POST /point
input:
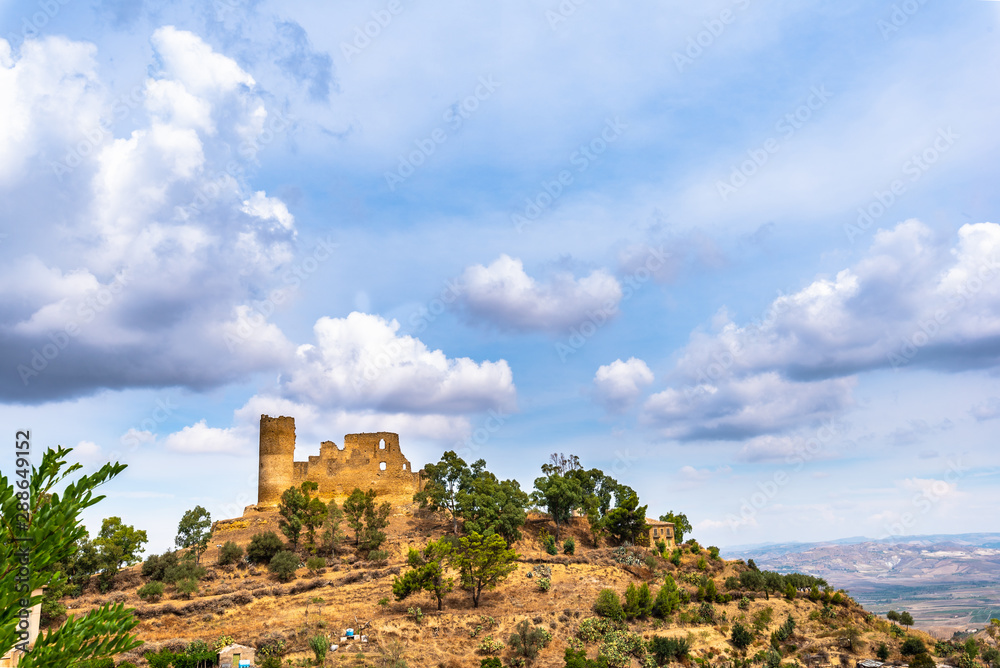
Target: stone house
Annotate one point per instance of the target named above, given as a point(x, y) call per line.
point(235, 655)
point(660, 531)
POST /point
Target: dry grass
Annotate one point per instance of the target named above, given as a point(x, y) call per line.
point(250, 606)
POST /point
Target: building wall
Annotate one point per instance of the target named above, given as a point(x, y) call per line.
point(367, 461)
point(226, 655)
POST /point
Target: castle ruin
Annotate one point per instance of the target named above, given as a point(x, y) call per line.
point(367, 461)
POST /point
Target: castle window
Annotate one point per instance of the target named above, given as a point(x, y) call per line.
point(381, 466)
point(381, 444)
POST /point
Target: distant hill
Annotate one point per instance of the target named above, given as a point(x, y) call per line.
point(948, 582)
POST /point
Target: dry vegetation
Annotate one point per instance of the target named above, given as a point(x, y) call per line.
point(248, 604)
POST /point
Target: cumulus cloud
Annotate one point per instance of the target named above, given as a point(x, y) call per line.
point(362, 362)
point(619, 384)
point(150, 277)
point(503, 295)
point(910, 301)
point(202, 439)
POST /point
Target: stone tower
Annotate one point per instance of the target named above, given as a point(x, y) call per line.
point(277, 452)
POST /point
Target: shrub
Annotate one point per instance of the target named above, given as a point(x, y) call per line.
point(912, 646)
point(106, 662)
point(549, 541)
point(741, 636)
point(744, 603)
point(417, 614)
point(491, 646)
point(713, 552)
point(695, 547)
point(187, 586)
point(882, 652)
point(155, 566)
point(263, 547)
point(638, 601)
point(527, 642)
point(675, 557)
point(283, 564)
point(319, 644)
point(161, 659)
point(569, 545)
point(619, 647)
point(706, 613)
point(315, 563)
point(230, 553)
point(544, 584)
point(491, 662)
point(184, 569)
point(665, 649)
point(270, 662)
point(151, 591)
point(608, 605)
point(378, 556)
point(922, 660)
point(593, 629)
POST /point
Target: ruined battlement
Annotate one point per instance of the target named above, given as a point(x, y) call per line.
point(367, 461)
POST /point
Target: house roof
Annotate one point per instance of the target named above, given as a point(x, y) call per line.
point(658, 523)
point(235, 646)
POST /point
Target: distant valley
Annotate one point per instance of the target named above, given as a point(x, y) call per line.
point(947, 582)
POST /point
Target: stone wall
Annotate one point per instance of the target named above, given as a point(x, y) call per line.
point(367, 461)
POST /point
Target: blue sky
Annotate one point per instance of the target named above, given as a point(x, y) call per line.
point(740, 254)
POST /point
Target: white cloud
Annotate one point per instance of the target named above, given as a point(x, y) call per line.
point(189, 60)
point(503, 295)
point(619, 384)
point(910, 301)
point(361, 362)
point(987, 410)
point(202, 439)
point(87, 450)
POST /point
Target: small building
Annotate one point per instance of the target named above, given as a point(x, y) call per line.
point(660, 531)
point(234, 656)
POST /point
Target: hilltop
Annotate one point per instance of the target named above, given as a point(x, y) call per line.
point(248, 604)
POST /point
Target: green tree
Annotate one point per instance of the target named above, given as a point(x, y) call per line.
point(298, 509)
point(333, 536)
point(628, 521)
point(354, 509)
point(773, 583)
point(376, 519)
point(444, 481)
point(882, 652)
point(668, 599)
point(906, 619)
point(426, 572)
point(638, 601)
point(483, 562)
point(560, 495)
point(194, 531)
point(682, 526)
point(118, 544)
point(912, 646)
point(892, 616)
point(263, 546)
point(46, 526)
point(488, 505)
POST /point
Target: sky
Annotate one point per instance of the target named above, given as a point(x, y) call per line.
point(742, 255)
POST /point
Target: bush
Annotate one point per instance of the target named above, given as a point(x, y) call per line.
point(569, 545)
point(491, 646)
point(491, 662)
point(713, 552)
point(151, 591)
point(706, 613)
point(315, 563)
point(161, 659)
point(744, 603)
point(882, 652)
point(922, 661)
point(593, 629)
point(270, 662)
point(184, 569)
point(155, 566)
point(549, 541)
point(187, 586)
point(527, 642)
point(230, 553)
point(695, 547)
point(319, 644)
point(666, 649)
point(638, 601)
point(741, 636)
point(545, 584)
point(283, 564)
point(619, 647)
point(378, 556)
point(97, 663)
point(912, 646)
point(263, 547)
point(609, 606)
